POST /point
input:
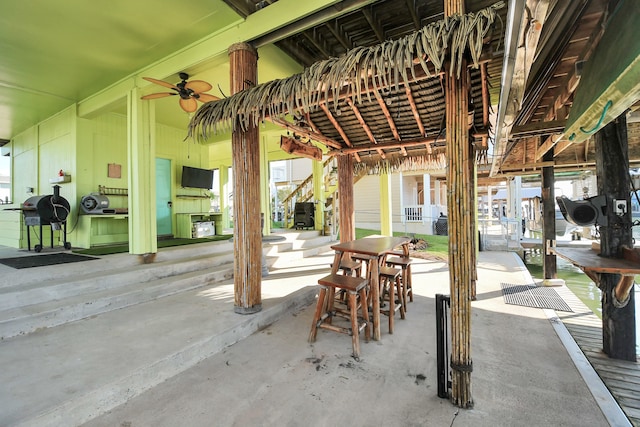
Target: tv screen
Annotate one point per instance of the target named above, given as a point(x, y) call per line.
point(197, 178)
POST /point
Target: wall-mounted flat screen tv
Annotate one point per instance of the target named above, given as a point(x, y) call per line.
point(197, 178)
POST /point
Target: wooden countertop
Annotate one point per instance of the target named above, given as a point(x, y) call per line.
point(590, 259)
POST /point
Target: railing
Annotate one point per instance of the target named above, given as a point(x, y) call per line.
point(304, 191)
point(413, 213)
point(499, 231)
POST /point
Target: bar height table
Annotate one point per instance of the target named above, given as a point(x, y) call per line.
point(376, 249)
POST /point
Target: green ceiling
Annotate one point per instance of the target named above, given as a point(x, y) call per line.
point(56, 53)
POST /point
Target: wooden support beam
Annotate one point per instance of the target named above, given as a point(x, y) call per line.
point(538, 128)
point(316, 43)
point(411, 8)
point(386, 146)
point(375, 26)
point(549, 143)
point(365, 126)
point(336, 125)
point(511, 100)
point(549, 263)
point(562, 145)
point(316, 135)
point(387, 114)
point(486, 99)
point(342, 38)
point(612, 171)
point(416, 114)
point(245, 150)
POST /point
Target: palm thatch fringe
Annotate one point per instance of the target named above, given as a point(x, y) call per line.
point(380, 66)
point(399, 163)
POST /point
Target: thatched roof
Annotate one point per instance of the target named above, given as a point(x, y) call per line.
point(372, 100)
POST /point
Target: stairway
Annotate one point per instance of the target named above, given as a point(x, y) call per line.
point(79, 339)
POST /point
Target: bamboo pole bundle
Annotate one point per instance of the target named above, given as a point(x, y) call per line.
point(245, 149)
point(460, 212)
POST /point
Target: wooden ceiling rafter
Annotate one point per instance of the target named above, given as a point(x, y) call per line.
point(317, 44)
point(315, 135)
point(412, 12)
point(339, 35)
point(387, 114)
point(339, 128)
point(373, 23)
point(557, 109)
point(386, 146)
point(416, 114)
point(365, 126)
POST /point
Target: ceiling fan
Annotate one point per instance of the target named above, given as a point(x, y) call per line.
point(189, 92)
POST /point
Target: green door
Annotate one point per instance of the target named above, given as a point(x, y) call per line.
point(163, 196)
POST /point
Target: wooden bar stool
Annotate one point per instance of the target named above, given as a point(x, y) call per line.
point(363, 259)
point(407, 287)
point(350, 267)
point(354, 286)
point(390, 289)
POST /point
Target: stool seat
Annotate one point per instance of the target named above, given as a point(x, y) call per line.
point(404, 262)
point(354, 287)
point(390, 272)
point(401, 260)
point(396, 253)
point(350, 267)
point(348, 283)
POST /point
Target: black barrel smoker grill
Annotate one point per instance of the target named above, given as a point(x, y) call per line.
point(52, 210)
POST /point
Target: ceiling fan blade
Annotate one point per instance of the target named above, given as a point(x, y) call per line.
point(158, 95)
point(189, 105)
point(198, 86)
point(161, 83)
point(205, 97)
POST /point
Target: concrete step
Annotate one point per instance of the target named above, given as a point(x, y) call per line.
point(88, 367)
point(114, 283)
point(113, 262)
point(131, 326)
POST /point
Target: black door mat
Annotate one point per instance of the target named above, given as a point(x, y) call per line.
point(533, 296)
point(43, 260)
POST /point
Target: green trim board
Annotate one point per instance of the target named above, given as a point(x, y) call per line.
point(166, 243)
point(610, 81)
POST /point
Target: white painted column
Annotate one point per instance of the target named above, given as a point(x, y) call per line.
point(427, 208)
point(403, 217)
point(386, 221)
point(514, 203)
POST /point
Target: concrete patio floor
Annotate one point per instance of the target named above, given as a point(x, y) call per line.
point(524, 372)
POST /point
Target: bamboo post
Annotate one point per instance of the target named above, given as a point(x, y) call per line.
point(245, 147)
point(345, 195)
point(460, 205)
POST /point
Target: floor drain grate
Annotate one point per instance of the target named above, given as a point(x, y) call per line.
point(533, 296)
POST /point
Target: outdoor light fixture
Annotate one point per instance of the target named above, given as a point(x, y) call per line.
point(584, 212)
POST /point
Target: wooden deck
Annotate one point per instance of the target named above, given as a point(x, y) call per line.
point(622, 378)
